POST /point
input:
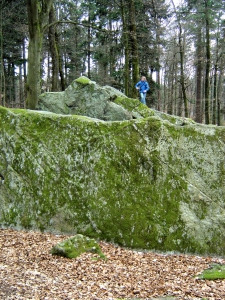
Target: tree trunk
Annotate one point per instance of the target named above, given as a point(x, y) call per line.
point(126, 48)
point(171, 90)
point(215, 81)
point(158, 89)
point(221, 76)
point(38, 13)
point(157, 21)
point(218, 101)
point(33, 78)
point(21, 86)
point(198, 108)
point(134, 47)
point(24, 72)
point(54, 52)
point(181, 52)
point(89, 44)
point(182, 79)
point(214, 114)
point(2, 96)
point(207, 69)
point(61, 73)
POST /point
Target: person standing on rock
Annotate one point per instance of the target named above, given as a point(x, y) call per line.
point(143, 87)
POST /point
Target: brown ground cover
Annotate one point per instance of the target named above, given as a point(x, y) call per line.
point(29, 271)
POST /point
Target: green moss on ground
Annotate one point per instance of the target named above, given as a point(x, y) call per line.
point(217, 271)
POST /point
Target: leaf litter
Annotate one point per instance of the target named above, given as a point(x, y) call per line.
point(29, 271)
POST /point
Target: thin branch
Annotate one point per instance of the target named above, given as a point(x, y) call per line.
point(79, 24)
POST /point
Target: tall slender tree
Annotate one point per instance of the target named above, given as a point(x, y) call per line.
point(2, 93)
point(181, 46)
point(208, 60)
point(53, 47)
point(199, 70)
point(38, 15)
point(133, 45)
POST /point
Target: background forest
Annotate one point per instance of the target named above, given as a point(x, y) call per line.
point(46, 44)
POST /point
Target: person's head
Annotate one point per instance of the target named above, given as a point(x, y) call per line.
point(143, 78)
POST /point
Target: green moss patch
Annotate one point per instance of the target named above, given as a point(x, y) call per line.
point(135, 106)
point(84, 80)
point(76, 245)
point(217, 271)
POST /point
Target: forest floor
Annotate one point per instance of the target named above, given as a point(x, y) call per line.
point(29, 271)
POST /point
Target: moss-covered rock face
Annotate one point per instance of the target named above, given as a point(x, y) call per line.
point(76, 245)
point(155, 182)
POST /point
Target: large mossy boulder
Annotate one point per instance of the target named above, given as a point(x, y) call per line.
point(154, 182)
point(85, 97)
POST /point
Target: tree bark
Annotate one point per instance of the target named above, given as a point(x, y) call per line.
point(221, 76)
point(198, 108)
point(126, 49)
point(207, 68)
point(89, 45)
point(38, 13)
point(134, 47)
point(214, 114)
point(182, 79)
point(2, 88)
point(181, 52)
point(54, 52)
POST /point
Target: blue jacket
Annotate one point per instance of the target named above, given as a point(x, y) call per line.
point(143, 86)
